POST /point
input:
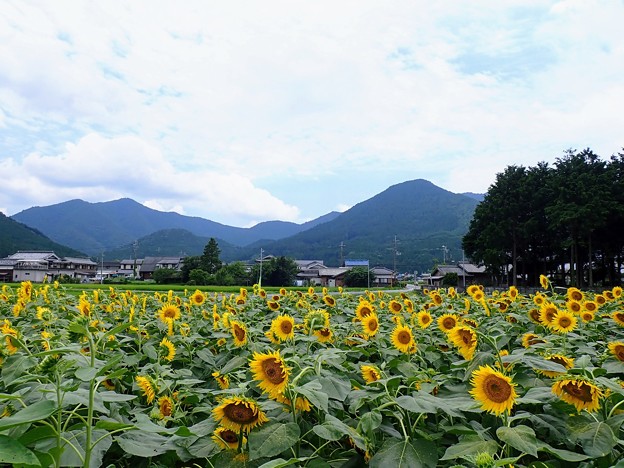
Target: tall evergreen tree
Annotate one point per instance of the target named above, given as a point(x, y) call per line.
point(209, 260)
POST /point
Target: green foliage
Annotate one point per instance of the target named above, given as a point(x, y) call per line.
point(450, 279)
point(358, 277)
point(166, 276)
point(279, 271)
point(199, 277)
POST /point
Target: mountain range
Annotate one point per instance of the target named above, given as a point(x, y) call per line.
point(411, 225)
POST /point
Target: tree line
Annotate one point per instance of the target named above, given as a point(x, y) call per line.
point(564, 221)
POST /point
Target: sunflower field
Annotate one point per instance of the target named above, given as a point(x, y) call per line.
point(119, 378)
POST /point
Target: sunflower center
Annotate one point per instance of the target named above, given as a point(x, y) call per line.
point(619, 316)
point(404, 337)
point(239, 332)
point(365, 311)
point(558, 360)
point(550, 314)
point(229, 436)
point(497, 389)
point(619, 352)
point(165, 408)
point(286, 327)
point(272, 368)
point(590, 306)
point(372, 325)
point(465, 336)
point(565, 322)
point(169, 313)
point(535, 314)
point(576, 296)
point(240, 413)
point(425, 319)
point(448, 323)
point(325, 332)
point(579, 390)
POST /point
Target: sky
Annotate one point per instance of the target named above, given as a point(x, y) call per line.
point(248, 111)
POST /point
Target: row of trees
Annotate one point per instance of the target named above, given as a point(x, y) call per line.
point(563, 220)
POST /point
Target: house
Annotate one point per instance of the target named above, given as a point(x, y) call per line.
point(382, 276)
point(332, 277)
point(467, 273)
point(34, 266)
point(151, 264)
point(130, 267)
point(309, 272)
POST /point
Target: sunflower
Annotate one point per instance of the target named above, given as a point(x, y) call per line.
point(226, 438)
point(239, 413)
point(494, 390)
point(409, 305)
point(316, 319)
point(283, 327)
point(436, 298)
point(617, 292)
point(563, 322)
point(574, 306)
point(403, 340)
point(165, 407)
point(478, 296)
point(513, 292)
point(262, 293)
point(169, 312)
point(363, 309)
point(324, 335)
point(465, 339)
point(301, 403)
point(395, 306)
point(424, 319)
point(608, 295)
point(329, 300)
point(147, 386)
point(617, 350)
point(222, 380)
point(370, 325)
point(547, 313)
point(270, 370)
point(534, 315)
point(108, 384)
point(579, 392)
point(539, 299)
point(84, 307)
point(473, 288)
point(273, 305)
point(169, 348)
point(370, 374)
point(447, 322)
point(590, 306)
point(197, 298)
point(587, 316)
point(566, 362)
point(575, 294)
point(530, 339)
point(239, 332)
point(600, 299)
point(544, 282)
point(618, 317)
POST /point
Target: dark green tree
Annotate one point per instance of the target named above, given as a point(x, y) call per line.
point(233, 274)
point(210, 261)
point(358, 277)
point(279, 271)
point(450, 279)
point(199, 277)
point(189, 264)
point(167, 276)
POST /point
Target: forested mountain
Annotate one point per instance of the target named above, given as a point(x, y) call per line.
point(428, 223)
point(171, 243)
point(97, 227)
point(16, 236)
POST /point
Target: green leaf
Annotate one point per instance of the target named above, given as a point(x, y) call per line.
point(336, 388)
point(468, 447)
point(281, 463)
point(370, 421)
point(564, 454)
point(112, 425)
point(413, 405)
point(11, 451)
point(144, 444)
point(78, 438)
point(328, 432)
point(272, 439)
point(35, 412)
point(114, 396)
point(405, 454)
point(312, 392)
point(521, 438)
point(596, 438)
point(86, 374)
point(233, 364)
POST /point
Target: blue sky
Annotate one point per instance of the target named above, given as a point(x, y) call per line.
point(248, 111)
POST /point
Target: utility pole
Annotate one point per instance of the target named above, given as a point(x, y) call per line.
point(395, 252)
point(260, 279)
point(444, 252)
point(135, 248)
point(342, 246)
point(102, 269)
